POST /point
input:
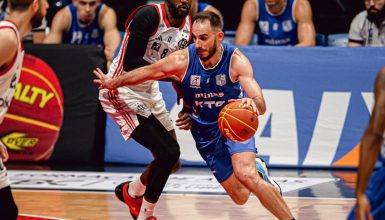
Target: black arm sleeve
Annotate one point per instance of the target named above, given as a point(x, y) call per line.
point(142, 26)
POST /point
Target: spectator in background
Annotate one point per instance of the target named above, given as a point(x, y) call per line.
point(3, 12)
point(35, 36)
point(199, 6)
point(368, 27)
point(277, 23)
point(86, 22)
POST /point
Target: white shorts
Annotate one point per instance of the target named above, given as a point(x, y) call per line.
point(123, 105)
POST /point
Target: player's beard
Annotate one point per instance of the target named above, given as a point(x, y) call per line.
point(174, 10)
point(37, 19)
point(375, 15)
point(212, 51)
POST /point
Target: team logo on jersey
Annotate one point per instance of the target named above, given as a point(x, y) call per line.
point(287, 25)
point(195, 81)
point(95, 33)
point(220, 79)
point(264, 27)
point(275, 27)
point(141, 108)
point(159, 38)
point(182, 43)
point(76, 37)
point(156, 46)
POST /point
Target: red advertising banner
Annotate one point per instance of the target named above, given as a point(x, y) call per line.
point(32, 124)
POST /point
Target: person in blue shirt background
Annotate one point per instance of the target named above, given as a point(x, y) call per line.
point(86, 22)
point(277, 23)
point(199, 6)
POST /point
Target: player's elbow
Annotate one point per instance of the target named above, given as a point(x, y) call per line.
point(262, 110)
point(307, 43)
point(241, 41)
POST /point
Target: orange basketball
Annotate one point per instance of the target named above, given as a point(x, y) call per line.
point(237, 123)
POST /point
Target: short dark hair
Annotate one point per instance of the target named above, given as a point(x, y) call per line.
point(215, 19)
point(19, 4)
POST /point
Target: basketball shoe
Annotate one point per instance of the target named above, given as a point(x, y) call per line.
point(134, 204)
point(262, 170)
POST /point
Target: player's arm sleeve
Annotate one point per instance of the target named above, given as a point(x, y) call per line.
point(355, 31)
point(141, 27)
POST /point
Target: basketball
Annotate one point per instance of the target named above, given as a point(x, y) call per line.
point(237, 123)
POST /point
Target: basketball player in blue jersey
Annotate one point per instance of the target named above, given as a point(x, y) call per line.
point(24, 15)
point(277, 23)
point(212, 74)
point(87, 22)
point(371, 194)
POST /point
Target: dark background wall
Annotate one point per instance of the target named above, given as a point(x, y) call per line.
point(81, 137)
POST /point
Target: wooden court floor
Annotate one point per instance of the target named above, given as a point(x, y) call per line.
point(104, 205)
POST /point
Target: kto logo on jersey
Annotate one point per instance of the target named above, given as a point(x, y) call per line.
point(220, 79)
point(95, 33)
point(209, 104)
point(195, 81)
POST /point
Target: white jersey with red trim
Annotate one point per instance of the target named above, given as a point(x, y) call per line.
point(125, 103)
point(165, 40)
point(11, 74)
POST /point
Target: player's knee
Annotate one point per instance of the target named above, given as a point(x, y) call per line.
point(246, 176)
point(174, 156)
point(239, 199)
point(170, 156)
point(176, 166)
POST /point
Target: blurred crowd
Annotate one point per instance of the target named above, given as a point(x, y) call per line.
point(261, 22)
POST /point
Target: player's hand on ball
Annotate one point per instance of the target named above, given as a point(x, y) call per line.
point(247, 103)
point(103, 80)
point(183, 121)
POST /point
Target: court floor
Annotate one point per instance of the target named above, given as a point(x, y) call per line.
point(85, 192)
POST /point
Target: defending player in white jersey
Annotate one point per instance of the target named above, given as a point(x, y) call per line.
point(152, 33)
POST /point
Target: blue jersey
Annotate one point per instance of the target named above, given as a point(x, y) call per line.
point(207, 91)
point(90, 34)
point(382, 154)
point(202, 6)
point(276, 30)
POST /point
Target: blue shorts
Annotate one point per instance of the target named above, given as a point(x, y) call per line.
point(376, 195)
point(218, 159)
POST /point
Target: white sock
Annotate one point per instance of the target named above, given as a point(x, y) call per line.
point(136, 188)
point(146, 210)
